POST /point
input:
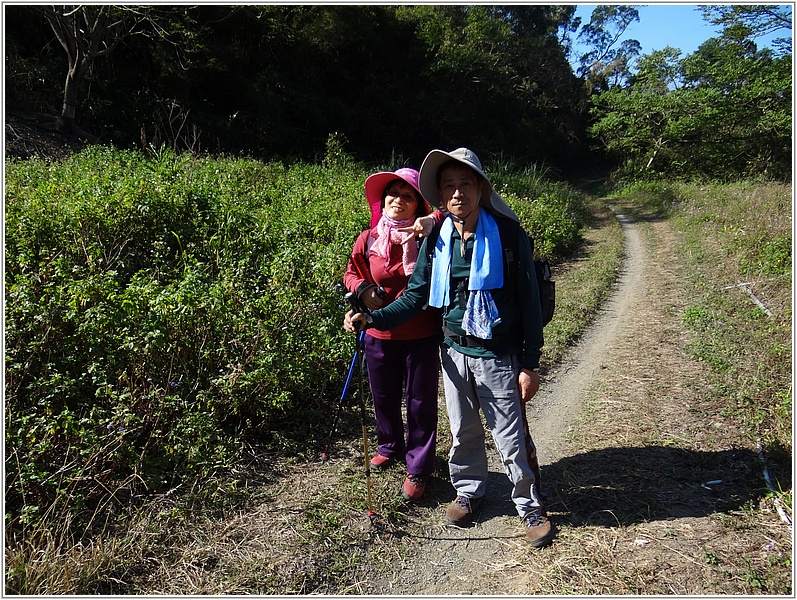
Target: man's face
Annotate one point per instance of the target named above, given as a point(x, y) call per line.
point(460, 189)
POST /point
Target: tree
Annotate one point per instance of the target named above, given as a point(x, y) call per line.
point(85, 32)
point(89, 31)
point(659, 71)
point(277, 80)
point(497, 78)
point(727, 116)
point(740, 21)
point(607, 64)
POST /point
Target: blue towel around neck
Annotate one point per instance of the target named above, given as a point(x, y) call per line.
point(487, 265)
point(441, 265)
point(486, 273)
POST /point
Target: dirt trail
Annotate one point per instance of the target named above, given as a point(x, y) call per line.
point(656, 491)
point(559, 401)
point(448, 560)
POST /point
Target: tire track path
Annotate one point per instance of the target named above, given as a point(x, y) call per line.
point(558, 403)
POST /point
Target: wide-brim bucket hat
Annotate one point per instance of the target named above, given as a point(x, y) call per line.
point(427, 180)
point(375, 187)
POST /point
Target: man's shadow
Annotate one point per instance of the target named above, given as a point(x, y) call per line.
point(623, 486)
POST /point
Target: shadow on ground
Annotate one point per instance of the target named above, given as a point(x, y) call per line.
point(623, 486)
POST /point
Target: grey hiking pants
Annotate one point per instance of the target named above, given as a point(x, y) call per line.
point(490, 385)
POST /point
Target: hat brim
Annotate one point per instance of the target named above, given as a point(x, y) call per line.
point(375, 186)
point(427, 181)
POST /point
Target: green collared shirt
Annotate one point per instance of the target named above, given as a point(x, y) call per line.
point(520, 329)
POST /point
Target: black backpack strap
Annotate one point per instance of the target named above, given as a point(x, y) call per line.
point(431, 240)
point(510, 232)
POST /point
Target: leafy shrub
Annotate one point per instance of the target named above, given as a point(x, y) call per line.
point(162, 309)
point(552, 213)
point(658, 197)
point(155, 307)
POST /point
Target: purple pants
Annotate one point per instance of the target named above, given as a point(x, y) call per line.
point(405, 367)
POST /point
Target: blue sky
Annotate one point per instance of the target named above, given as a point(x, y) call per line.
point(677, 25)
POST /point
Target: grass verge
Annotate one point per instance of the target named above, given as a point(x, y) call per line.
point(583, 281)
point(738, 266)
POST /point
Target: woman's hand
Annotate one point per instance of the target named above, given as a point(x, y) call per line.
point(422, 227)
point(371, 298)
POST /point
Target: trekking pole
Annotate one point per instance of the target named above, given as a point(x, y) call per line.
point(359, 356)
point(325, 454)
point(367, 462)
point(359, 307)
point(354, 304)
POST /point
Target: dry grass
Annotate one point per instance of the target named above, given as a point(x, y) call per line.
point(48, 564)
point(660, 492)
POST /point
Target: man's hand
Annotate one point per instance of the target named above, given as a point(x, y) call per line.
point(529, 384)
point(354, 322)
point(422, 227)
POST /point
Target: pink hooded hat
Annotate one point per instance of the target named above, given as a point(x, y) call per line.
point(375, 186)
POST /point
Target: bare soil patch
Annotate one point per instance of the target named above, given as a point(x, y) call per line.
point(34, 135)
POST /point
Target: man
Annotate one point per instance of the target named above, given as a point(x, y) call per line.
point(480, 274)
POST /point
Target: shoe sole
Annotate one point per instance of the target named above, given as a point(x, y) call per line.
point(543, 541)
point(460, 523)
point(410, 498)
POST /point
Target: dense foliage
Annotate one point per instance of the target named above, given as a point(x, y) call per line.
point(722, 112)
point(276, 80)
point(159, 311)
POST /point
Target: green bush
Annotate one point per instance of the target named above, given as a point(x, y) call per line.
point(154, 307)
point(553, 214)
point(160, 311)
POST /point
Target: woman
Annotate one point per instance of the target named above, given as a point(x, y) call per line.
point(402, 362)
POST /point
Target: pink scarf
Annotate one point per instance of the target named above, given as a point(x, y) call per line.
point(386, 235)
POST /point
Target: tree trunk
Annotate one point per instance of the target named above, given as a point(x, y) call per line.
point(66, 122)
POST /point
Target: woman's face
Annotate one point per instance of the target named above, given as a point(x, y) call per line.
point(401, 201)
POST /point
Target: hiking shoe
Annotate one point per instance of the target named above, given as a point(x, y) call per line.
point(381, 462)
point(539, 530)
point(460, 512)
point(414, 486)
